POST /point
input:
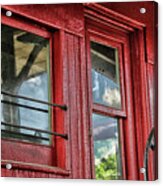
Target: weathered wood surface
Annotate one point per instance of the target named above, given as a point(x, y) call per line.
point(71, 60)
point(62, 16)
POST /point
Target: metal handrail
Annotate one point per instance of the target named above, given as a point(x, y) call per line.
point(149, 145)
point(63, 107)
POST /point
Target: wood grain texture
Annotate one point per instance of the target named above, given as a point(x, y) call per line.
point(70, 27)
point(141, 100)
point(71, 50)
point(122, 42)
point(62, 16)
point(148, 19)
point(26, 152)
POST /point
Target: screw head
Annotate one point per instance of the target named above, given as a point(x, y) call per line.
point(142, 170)
point(142, 10)
point(8, 166)
point(9, 13)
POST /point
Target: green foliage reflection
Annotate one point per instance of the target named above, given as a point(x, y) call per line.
point(107, 168)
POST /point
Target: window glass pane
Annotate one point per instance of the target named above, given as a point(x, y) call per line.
point(106, 147)
point(25, 59)
point(105, 75)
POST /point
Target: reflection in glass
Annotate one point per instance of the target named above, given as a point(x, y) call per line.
point(105, 75)
point(24, 72)
point(106, 147)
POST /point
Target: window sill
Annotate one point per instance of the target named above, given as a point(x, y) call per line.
point(35, 167)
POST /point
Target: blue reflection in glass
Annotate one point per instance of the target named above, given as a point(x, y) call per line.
point(105, 75)
point(36, 88)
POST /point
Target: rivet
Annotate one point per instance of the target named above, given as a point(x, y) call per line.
point(142, 170)
point(142, 10)
point(8, 166)
point(9, 13)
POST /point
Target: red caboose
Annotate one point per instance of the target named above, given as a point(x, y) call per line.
point(79, 90)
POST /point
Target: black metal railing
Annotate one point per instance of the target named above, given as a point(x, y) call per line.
point(24, 106)
point(65, 136)
point(22, 135)
point(63, 107)
point(149, 145)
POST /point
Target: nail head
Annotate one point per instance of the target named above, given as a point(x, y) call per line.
point(8, 166)
point(142, 10)
point(9, 13)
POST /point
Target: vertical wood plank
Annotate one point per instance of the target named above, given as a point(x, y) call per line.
point(78, 105)
point(141, 98)
point(137, 101)
point(89, 103)
point(129, 123)
point(73, 115)
point(58, 94)
point(146, 100)
point(66, 98)
point(86, 156)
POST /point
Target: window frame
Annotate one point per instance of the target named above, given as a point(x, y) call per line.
point(93, 34)
point(103, 108)
point(53, 162)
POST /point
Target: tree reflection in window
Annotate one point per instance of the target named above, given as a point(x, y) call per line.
point(24, 72)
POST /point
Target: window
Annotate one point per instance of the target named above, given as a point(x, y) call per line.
point(105, 75)
point(25, 72)
point(108, 107)
point(29, 104)
point(106, 147)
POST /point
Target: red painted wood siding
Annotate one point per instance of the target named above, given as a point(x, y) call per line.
point(76, 82)
point(132, 10)
point(67, 20)
point(62, 16)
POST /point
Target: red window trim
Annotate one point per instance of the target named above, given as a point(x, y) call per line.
point(58, 146)
point(108, 111)
point(101, 109)
point(35, 20)
point(93, 11)
point(130, 34)
point(20, 23)
point(137, 124)
point(127, 127)
point(109, 42)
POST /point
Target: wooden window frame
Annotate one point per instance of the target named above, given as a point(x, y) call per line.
point(12, 149)
point(97, 108)
point(131, 35)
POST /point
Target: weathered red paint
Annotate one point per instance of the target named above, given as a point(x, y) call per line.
point(61, 16)
point(151, 53)
point(70, 27)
